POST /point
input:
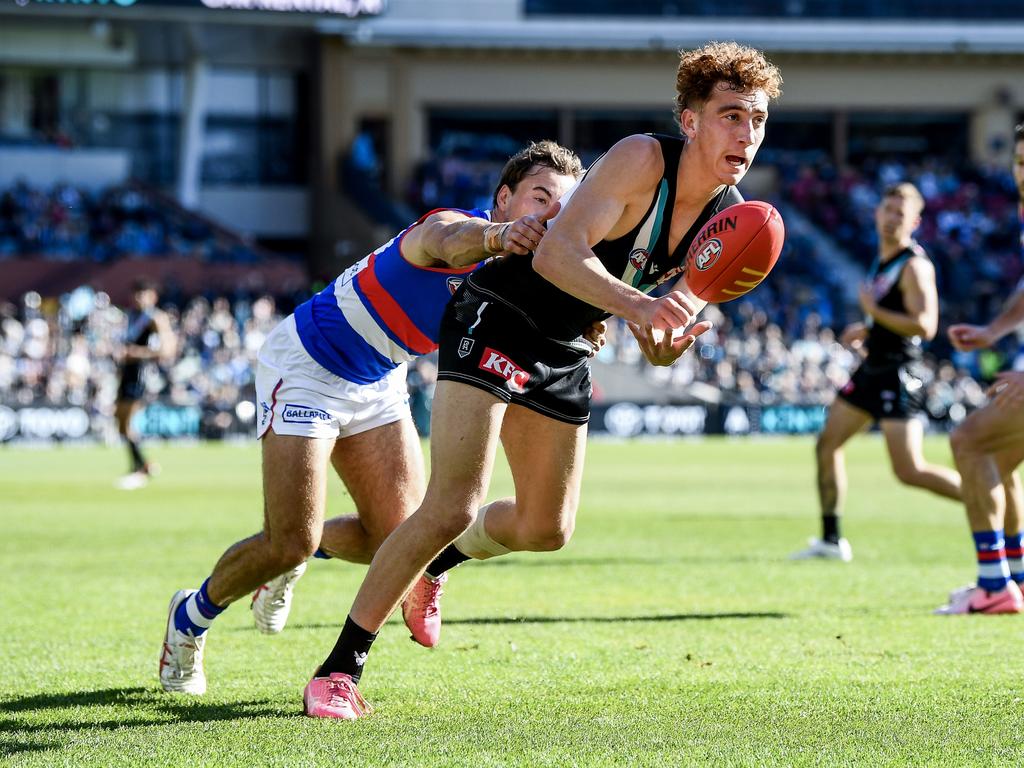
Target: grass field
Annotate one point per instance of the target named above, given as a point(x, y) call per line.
point(671, 631)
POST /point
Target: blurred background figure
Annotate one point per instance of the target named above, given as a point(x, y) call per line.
point(148, 341)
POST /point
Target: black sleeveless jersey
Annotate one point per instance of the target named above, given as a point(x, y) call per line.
point(639, 258)
point(885, 346)
point(139, 331)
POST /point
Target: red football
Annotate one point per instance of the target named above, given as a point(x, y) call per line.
point(734, 251)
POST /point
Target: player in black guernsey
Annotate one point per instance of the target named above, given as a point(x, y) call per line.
point(512, 362)
point(901, 307)
point(147, 337)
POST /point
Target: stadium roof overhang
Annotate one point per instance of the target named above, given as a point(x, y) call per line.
point(815, 36)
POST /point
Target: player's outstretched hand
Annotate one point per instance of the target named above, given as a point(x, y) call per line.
point(966, 337)
point(595, 336)
point(1008, 389)
point(853, 335)
point(663, 347)
point(524, 234)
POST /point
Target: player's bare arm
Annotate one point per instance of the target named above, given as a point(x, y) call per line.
point(167, 344)
point(854, 335)
point(609, 202)
point(966, 337)
point(448, 238)
point(919, 297)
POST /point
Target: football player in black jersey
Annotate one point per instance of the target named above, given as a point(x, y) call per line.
point(147, 338)
point(511, 357)
point(901, 307)
point(988, 446)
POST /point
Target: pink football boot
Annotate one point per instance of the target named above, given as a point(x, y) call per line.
point(335, 696)
point(421, 610)
point(977, 600)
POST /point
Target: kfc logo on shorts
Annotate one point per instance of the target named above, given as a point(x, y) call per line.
point(453, 284)
point(708, 255)
point(465, 346)
point(638, 258)
point(495, 362)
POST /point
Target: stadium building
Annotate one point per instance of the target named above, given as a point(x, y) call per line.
point(282, 139)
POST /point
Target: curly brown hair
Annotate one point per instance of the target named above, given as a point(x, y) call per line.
point(743, 68)
point(548, 154)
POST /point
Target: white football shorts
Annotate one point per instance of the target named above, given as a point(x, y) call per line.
point(296, 396)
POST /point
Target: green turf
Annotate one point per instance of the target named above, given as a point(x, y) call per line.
point(671, 630)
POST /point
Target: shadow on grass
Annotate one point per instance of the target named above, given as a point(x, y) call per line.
point(11, 747)
point(613, 561)
point(165, 710)
point(496, 620)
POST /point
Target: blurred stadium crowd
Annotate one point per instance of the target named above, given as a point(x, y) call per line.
point(779, 345)
point(71, 224)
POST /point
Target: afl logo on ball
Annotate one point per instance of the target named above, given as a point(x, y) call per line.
point(708, 254)
point(638, 258)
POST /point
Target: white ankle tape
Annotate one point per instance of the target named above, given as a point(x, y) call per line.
point(475, 542)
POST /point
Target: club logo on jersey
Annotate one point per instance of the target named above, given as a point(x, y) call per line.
point(638, 258)
point(465, 346)
point(304, 414)
point(706, 257)
point(496, 362)
point(453, 284)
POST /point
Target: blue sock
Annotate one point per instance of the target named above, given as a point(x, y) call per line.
point(1015, 555)
point(321, 554)
point(197, 613)
point(993, 570)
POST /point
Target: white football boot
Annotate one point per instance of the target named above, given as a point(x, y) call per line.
point(818, 549)
point(272, 602)
point(181, 659)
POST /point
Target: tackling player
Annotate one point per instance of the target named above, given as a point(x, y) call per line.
point(330, 387)
point(902, 308)
point(511, 361)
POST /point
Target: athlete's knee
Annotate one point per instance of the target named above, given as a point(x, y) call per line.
point(825, 446)
point(292, 551)
point(908, 474)
point(550, 538)
point(964, 440)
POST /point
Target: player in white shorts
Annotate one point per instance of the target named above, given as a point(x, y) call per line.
point(330, 389)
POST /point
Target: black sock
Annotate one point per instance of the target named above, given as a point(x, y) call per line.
point(138, 461)
point(450, 557)
point(830, 529)
point(349, 652)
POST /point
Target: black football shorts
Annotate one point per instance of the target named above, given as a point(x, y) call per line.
point(886, 390)
point(491, 345)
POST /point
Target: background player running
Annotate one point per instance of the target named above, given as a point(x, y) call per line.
point(148, 338)
point(330, 388)
point(901, 305)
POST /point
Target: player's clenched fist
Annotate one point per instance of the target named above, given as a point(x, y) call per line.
point(673, 311)
point(523, 235)
point(967, 337)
